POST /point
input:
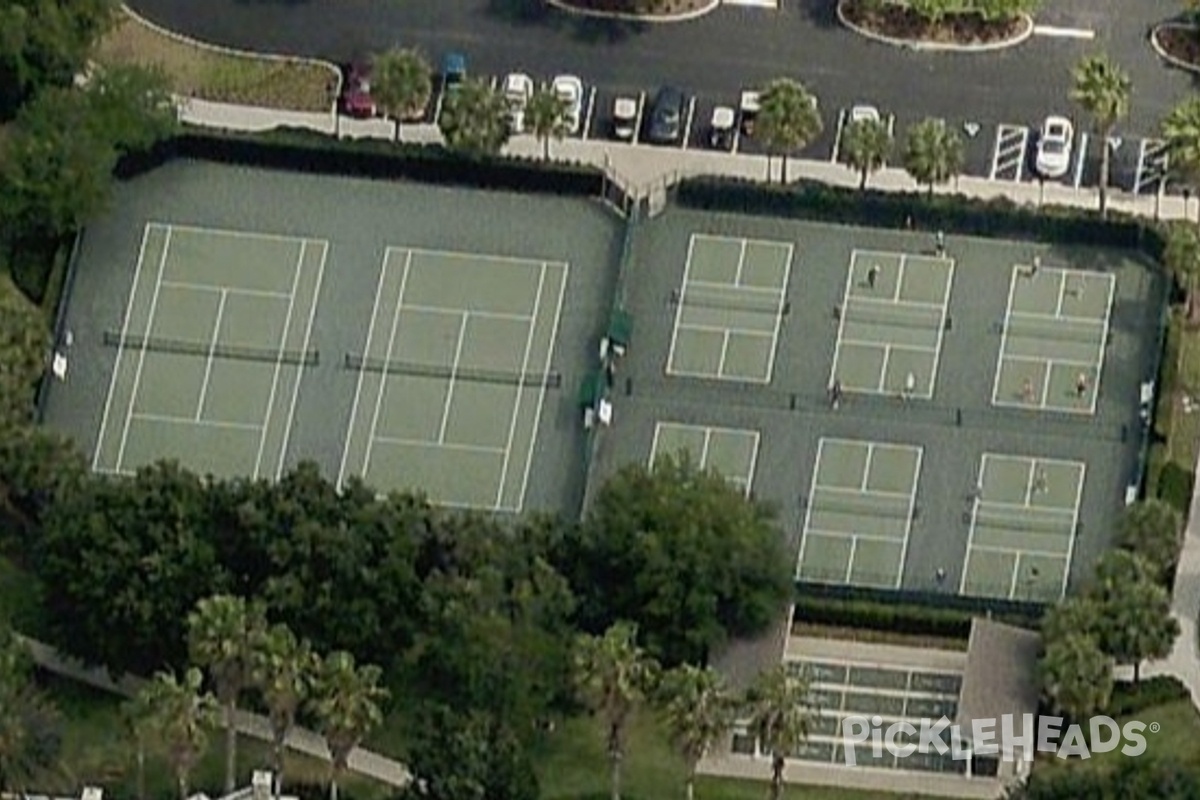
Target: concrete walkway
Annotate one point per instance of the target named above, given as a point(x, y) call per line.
point(362, 762)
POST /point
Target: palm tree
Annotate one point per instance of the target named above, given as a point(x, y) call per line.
point(934, 152)
point(1182, 257)
point(474, 119)
point(401, 83)
point(345, 700)
point(223, 633)
point(181, 716)
point(866, 144)
point(779, 710)
point(1181, 132)
point(1102, 89)
point(614, 675)
point(787, 118)
point(546, 116)
point(282, 669)
point(698, 710)
point(139, 724)
point(1076, 676)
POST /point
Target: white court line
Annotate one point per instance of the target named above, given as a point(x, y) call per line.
point(880, 301)
point(704, 448)
point(850, 561)
point(354, 407)
point(658, 429)
point(312, 313)
point(1041, 360)
point(1046, 510)
point(975, 503)
point(692, 326)
point(737, 276)
point(1112, 281)
point(1017, 551)
point(422, 251)
point(216, 287)
point(783, 289)
point(883, 368)
point(724, 353)
point(1012, 287)
point(137, 374)
point(716, 237)
point(687, 269)
point(537, 415)
point(470, 448)
point(1062, 293)
point(112, 383)
point(454, 312)
point(1029, 481)
point(1016, 575)
point(236, 234)
point(912, 505)
point(867, 467)
point(914, 348)
point(1043, 403)
point(756, 436)
point(899, 278)
point(208, 362)
point(458, 348)
point(773, 291)
point(812, 488)
point(866, 537)
point(859, 492)
point(1058, 317)
point(287, 327)
point(1074, 526)
point(387, 357)
point(512, 422)
point(204, 423)
point(941, 337)
point(837, 345)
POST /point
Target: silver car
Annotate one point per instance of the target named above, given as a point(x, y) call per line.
point(1054, 147)
point(570, 89)
point(518, 88)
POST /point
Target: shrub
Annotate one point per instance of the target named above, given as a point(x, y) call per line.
point(1175, 486)
point(1131, 698)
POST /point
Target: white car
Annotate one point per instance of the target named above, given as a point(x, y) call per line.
point(1054, 147)
point(570, 89)
point(518, 88)
point(863, 113)
point(625, 112)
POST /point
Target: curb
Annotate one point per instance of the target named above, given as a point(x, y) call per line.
point(1179, 63)
point(686, 16)
point(230, 51)
point(937, 47)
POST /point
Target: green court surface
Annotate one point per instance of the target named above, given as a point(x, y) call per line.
point(859, 514)
point(455, 343)
point(891, 323)
point(729, 309)
point(1024, 521)
point(215, 335)
point(1055, 332)
point(732, 453)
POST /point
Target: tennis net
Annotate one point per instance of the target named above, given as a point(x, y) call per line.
point(896, 316)
point(273, 355)
point(549, 380)
point(1034, 522)
point(1062, 330)
point(729, 301)
point(854, 503)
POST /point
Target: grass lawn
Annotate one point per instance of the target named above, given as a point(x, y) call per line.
point(211, 75)
point(95, 750)
point(573, 766)
point(1184, 441)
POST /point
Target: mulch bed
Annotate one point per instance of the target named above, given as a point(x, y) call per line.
point(645, 8)
point(1181, 43)
point(901, 22)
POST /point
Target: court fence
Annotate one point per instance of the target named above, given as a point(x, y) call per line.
point(58, 331)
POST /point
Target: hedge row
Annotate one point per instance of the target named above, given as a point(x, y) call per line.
point(952, 213)
point(1132, 698)
point(309, 151)
point(914, 618)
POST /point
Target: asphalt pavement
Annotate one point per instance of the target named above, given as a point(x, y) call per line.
point(733, 48)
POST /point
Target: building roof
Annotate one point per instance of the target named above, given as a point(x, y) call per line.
point(1001, 674)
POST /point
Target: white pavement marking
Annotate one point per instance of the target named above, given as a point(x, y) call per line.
point(454, 312)
point(1063, 33)
point(1012, 288)
point(1062, 293)
point(470, 448)
point(737, 276)
point(312, 313)
point(704, 448)
point(837, 136)
point(1082, 474)
point(687, 268)
point(1080, 159)
point(975, 503)
point(753, 462)
point(695, 326)
point(137, 374)
point(1112, 281)
point(771, 290)
point(205, 423)
point(587, 119)
point(1008, 154)
point(217, 288)
point(883, 368)
point(937, 355)
point(112, 383)
point(354, 407)
point(912, 348)
point(208, 362)
point(787, 276)
point(283, 338)
point(912, 506)
point(724, 352)
point(771, 4)
point(537, 414)
point(458, 348)
point(512, 422)
point(687, 130)
point(1153, 162)
point(866, 476)
point(637, 120)
point(278, 237)
point(1030, 479)
point(899, 278)
point(812, 490)
point(387, 357)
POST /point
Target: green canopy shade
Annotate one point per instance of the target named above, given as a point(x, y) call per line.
point(620, 328)
point(591, 389)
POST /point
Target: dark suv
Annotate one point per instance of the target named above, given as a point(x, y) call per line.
point(666, 116)
point(356, 100)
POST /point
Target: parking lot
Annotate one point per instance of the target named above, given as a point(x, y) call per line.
point(1004, 152)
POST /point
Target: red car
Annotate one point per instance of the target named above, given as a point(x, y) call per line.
point(356, 98)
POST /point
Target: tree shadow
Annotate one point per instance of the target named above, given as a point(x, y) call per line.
point(822, 13)
point(539, 12)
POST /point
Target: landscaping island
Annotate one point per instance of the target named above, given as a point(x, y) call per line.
point(901, 23)
point(1178, 43)
point(648, 10)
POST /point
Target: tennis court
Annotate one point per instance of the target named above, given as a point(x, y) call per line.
point(732, 453)
point(859, 513)
point(729, 309)
point(1024, 522)
point(453, 376)
point(211, 351)
point(1054, 335)
point(891, 323)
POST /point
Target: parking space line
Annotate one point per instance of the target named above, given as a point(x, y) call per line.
point(637, 126)
point(687, 131)
point(1152, 166)
point(1008, 153)
point(837, 136)
point(1083, 143)
point(587, 119)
